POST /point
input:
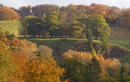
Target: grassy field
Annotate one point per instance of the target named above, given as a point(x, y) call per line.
point(11, 26)
point(120, 37)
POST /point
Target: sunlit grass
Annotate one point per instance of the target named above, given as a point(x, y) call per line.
point(12, 26)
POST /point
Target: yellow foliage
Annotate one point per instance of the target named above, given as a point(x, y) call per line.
point(45, 70)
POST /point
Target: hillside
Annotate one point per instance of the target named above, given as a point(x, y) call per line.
point(11, 26)
point(119, 44)
point(119, 33)
point(120, 37)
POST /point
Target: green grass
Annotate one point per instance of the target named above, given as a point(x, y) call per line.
point(122, 43)
point(121, 37)
point(11, 26)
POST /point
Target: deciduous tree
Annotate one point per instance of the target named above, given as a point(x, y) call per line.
point(31, 25)
point(52, 22)
point(76, 29)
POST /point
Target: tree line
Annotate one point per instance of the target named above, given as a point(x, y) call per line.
point(112, 14)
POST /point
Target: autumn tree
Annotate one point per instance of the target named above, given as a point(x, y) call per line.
point(45, 51)
point(20, 63)
point(112, 14)
point(109, 67)
point(43, 70)
point(83, 57)
point(44, 9)
point(72, 15)
point(8, 14)
point(99, 9)
point(123, 19)
point(7, 63)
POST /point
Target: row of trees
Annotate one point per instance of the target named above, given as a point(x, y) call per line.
point(93, 25)
point(72, 12)
point(50, 24)
point(67, 14)
point(32, 25)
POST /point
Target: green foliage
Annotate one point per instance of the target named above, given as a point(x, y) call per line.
point(52, 22)
point(5, 34)
point(76, 29)
point(31, 25)
point(93, 52)
point(127, 78)
point(122, 74)
point(107, 80)
point(93, 70)
point(74, 70)
point(90, 39)
point(99, 28)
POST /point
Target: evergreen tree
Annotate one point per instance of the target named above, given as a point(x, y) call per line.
point(90, 39)
point(74, 70)
point(93, 70)
point(122, 74)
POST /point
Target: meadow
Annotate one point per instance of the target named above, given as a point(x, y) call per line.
point(12, 26)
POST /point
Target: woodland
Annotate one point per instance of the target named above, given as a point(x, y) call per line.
point(74, 43)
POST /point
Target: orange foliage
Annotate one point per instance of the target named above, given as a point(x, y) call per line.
point(86, 57)
point(8, 14)
point(45, 70)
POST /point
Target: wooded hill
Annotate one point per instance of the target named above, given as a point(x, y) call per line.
point(112, 14)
